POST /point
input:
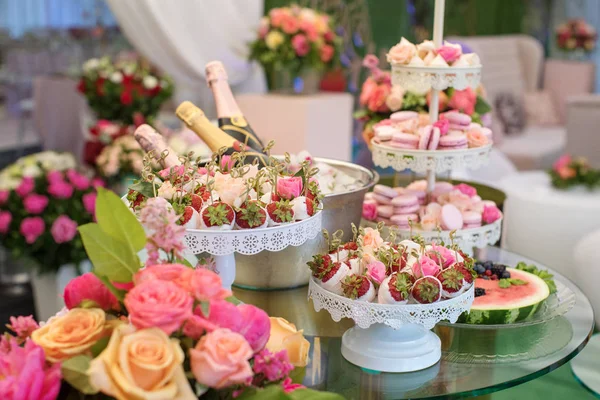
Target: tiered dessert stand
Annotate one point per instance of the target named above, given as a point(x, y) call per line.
point(224, 244)
point(421, 79)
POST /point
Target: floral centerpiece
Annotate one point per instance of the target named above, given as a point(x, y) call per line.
point(380, 99)
point(166, 331)
point(576, 34)
point(122, 157)
point(295, 40)
point(43, 198)
point(568, 172)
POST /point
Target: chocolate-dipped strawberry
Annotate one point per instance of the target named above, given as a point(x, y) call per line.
point(395, 289)
point(189, 217)
point(280, 212)
point(353, 261)
point(453, 281)
point(136, 200)
point(426, 290)
point(329, 272)
point(251, 215)
point(359, 287)
point(312, 198)
point(218, 216)
point(345, 251)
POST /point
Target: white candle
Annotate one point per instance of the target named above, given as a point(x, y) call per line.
point(438, 22)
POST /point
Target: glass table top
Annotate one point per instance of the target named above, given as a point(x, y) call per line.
point(474, 361)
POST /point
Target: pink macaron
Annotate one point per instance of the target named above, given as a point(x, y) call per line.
point(457, 118)
point(385, 191)
point(451, 218)
point(405, 204)
point(384, 220)
point(421, 194)
point(404, 115)
point(382, 200)
point(471, 219)
point(454, 140)
point(384, 133)
point(385, 211)
point(402, 221)
point(429, 137)
point(440, 188)
point(404, 141)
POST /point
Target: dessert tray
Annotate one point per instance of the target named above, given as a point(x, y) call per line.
point(387, 337)
point(421, 79)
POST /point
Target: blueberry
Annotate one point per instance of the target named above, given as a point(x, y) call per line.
point(479, 292)
point(487, 278)
point(505, 275)
point(488, 265)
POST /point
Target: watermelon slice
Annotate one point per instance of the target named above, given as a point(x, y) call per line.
point(507, 305)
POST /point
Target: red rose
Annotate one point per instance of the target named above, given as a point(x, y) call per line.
point(81, 86)
point(126, 98)
point(100, 86)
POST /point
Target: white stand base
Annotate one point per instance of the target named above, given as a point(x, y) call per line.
point(226, 269)
point(382, 348)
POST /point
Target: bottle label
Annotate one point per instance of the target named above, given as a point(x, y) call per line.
point(238, 128)
point(239, 121)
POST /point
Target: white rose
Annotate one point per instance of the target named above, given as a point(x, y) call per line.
point(233, 193)
point(307, 14)
point(32, 171)
point(91, 64)
point(116, 77)
point(166, 191)
point(150, 82)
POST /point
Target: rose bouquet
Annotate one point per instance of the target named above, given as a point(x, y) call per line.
point(567, 172)
point(167, 331)
point(295, 39)
point(122, 157)
point(576, 34)
point(43, 198)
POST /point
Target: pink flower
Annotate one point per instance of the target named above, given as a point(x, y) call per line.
point(177, 170)
point(290, 25)
point(98, 182)
point(377, 100)
point(262, 31)
point(300, 45)
point(370, 61)
point(289, 386)
point(80, 182)
point(32, 228)
point(566, 172)
point(63, 229)
point(425, 267)
point(464, 101)
point(54, 176)
point(490, 214)
point(450, 53)
point(256, 326)
point(289, 188)
point(159, 304)
point(327, 53)
point(89, 202)
point(5, 220)
point(207, 286)
point(562, 162)
point(310, 30)
point(368, 88)
point(277, 16)
point(227, 163)
point(274, 367)
point(221, 314)
point(401, 53)
point(369, 211)
point(25, 374)
point(35, 203)
point(88, 287)
point(376, 271)
point(22, 326)
point(25, 187)
point(441, 255)
point(60, 190)
point(443, 125)
point(179, 274)
point(4, 195)
point(466, 189)
point(329, 36)
point(476, 137)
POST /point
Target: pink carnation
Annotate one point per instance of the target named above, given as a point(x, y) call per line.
point(300, 45)
point(60, 190)
point(63, 229)
point(89, 202)
point(26, 374)
point(25, 187)
point(35, 203)
point(89, 287)
point(490, 214)
point(274, 366)
point(81, 182)
point(31, 228)
point(425, 267)
point(5, 220)
point(23, 327)
point(466, 189)
point(227, 163)
point(369, 211)
point(4, 195)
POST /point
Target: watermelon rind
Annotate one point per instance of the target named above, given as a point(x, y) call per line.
point(516, 311)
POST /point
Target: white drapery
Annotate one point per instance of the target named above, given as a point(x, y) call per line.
point(182, 36)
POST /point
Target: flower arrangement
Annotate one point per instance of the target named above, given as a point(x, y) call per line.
point(118, 91)
point(167, 331)
point(43, 198)
point(576, 34)
point(227, 194)
point(295, 39)
point(568, 171)
point(122, 157)
point(380, 99)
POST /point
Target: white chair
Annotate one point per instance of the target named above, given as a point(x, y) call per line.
point(586, 265)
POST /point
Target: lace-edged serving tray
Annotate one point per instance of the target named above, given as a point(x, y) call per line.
point(423, 79)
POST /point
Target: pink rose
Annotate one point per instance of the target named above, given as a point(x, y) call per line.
point(25, 187)
point(401, 53)
point(31, 228)
point(368, 88)
point(450, 53)
point(562, 162)
point(4, 195)
point(425, 267)
point(159, 304)
point(466, 189)
point(80, 182)
point(277, 16)
point(207, 286)
point(310, 30)
point(60, 190)
point(5, 220)
point(370, 61)
point(63, 229)
point(23, 327)
point(327, 53)
point(443, 125)
point(290, 25)
point(300, 45)
point(476, 138)
point(256, 326)
point(377, 101)
point(490, 214)
point(220, 359)
point(89, 202)
point(98, 182)
point(369, 211)
point(35, 203)
point(221, 314)
point(429, 222)
point(179, 274)
point(463, 101)
point(89, 287)
point(376, 271)
point(372, 238)
point(54, 176)
point(441, 255)
point(289, 188)
point(566, 172)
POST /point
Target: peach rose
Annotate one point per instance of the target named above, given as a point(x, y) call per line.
point(372, 238)
point(220, 359)
point(476, 138)
point(401, 53)
point(233, 192)
point(428, 222)
point(285, 336)
point(141, 365)
point(71, 334)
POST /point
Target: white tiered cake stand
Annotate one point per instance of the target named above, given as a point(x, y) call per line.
point(224, 244)
point(387, 337)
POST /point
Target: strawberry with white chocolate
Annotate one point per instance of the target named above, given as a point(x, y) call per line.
point(396, 288)
point(189, 217)
point(359, 287)
point(345, 251)
point(136, 200)
point(426, 290)
point(280, 212)
point(251, 215)
point(453, 282)
point(329, 272)
point(313, 197)
point(218, 216)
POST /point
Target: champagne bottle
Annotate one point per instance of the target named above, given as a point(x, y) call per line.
point(214, 137)
point(150, 140)
point(230, 117)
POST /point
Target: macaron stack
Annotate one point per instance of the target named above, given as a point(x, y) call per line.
point(451, 207)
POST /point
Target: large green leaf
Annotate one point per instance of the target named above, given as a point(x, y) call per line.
point(74, 371)
point(301, 394)
point(111, 258)
point(115, 219)
point(272, 392)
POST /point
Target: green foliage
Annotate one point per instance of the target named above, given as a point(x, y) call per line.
point(276, 392)
point(508, 282)
point(541, 273)
point(74, 371)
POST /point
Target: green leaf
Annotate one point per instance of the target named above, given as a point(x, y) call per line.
point(110, 257)
point(145, 188)
point(481, 106)
point(99, 346)
point(233, 300)
point(298, 374)
point(504, 283)
point(200, 389)
point(119, 294)
point(205, 307)
point(543, 274)
point(271, 392)
point(517, 282)
point(74, 371)
point(302, 394)
point(115, 219)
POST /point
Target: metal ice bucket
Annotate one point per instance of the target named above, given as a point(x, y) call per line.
point(287, 269)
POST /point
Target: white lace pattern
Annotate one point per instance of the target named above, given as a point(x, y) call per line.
point(423, 79)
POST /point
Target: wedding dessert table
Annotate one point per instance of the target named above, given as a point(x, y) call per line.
point(476, 360)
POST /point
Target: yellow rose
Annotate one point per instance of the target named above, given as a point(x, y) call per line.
point(141, 365)
point(274, 39)
point(284, 336)
point(71, 334)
